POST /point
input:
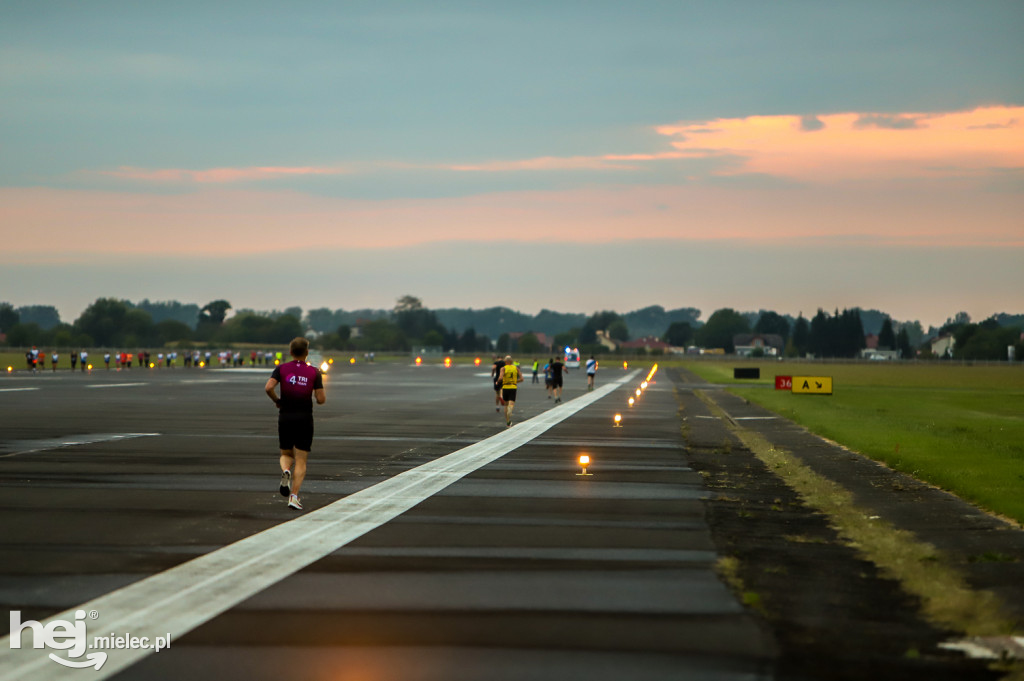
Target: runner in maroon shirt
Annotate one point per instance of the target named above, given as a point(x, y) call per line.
point(299, 382)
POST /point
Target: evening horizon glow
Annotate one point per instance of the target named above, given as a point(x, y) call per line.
point(878, 168)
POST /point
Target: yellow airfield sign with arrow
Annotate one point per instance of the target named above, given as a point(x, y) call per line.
point(812, 385)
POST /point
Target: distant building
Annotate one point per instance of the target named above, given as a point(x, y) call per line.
point(607, 342)
point(770, 344)
point(545, 341)
point(647, 343)
point(943, 345)
point(876, 354)
point(871, 342)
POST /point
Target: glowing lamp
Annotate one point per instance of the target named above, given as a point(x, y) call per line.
point(277, 362)
point(643, 386)
point(202, 364)
point(476, 361)
point(631, 401)
point(447, 362)
point(10, 369)
point(618, 420)
point(584, 462)
point(625, 365)
point(330, 361)
point(89, 367)
point(324, 367)
point(419, 361)
point(152, 365)
point(351, 360)
point(654, 370)
point(638, 392)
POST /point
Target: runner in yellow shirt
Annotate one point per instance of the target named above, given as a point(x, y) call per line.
point(510, 377)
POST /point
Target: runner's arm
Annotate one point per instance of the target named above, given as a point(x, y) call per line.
point(318, 388)
point(271, 389)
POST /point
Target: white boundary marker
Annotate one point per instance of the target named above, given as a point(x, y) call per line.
point(178, 600)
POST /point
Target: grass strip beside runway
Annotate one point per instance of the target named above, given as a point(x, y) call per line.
point(946, 598)
point(960, 428)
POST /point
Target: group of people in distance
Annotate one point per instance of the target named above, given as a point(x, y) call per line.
point(300, 383)
point(506, 376)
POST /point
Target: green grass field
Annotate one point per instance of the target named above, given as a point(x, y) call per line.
point(958, 427)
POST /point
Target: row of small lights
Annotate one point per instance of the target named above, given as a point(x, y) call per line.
point(585, 459)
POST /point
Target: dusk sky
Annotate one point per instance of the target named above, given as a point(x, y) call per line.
point(574, 156)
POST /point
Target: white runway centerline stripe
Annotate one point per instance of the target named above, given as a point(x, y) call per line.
point(182, 598)
point(16, 390)
point(116, 385)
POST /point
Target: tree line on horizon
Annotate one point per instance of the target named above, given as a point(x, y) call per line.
point(113, 323)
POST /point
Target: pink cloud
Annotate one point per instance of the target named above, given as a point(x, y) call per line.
point(601, 162)
point(861, 145)
point(215, 175)
point(218, 221)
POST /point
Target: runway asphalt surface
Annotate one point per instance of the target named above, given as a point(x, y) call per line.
point(435, 543)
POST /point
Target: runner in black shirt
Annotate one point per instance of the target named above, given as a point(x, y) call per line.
point(557, 369)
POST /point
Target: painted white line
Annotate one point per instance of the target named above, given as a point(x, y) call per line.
point(32, 446)
point(180, 599)
point(15, 390)
point(116, 385)
point(754, 418)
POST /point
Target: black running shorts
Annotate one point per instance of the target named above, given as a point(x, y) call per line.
point(556, 381)
point(508, 394)
point(295, 430)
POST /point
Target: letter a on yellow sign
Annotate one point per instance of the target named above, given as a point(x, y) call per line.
point(812, 385)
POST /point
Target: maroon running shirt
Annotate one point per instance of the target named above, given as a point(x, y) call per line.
point(298, 381)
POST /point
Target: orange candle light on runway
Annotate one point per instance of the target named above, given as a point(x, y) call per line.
point(618, 420)
point(584, 462)
point(631, 401)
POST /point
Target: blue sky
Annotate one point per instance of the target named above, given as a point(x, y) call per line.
point(153, 139)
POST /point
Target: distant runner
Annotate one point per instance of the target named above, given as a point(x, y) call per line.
point(547, 378)
point(591, 372)
point(299, 382)
point(557, 369)
point(510, 377)
point(496, 380)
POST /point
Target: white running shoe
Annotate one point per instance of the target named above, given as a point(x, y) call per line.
point(293, 502)
point(286, 483)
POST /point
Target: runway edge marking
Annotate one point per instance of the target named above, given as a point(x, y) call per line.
point(195, 592)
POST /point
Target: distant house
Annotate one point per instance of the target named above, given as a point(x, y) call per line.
point(607, 342)
point(943, 345)
point(871, 342)
point(647, 343)
point(770, 344)
point(876, 354)
point(545, 341)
